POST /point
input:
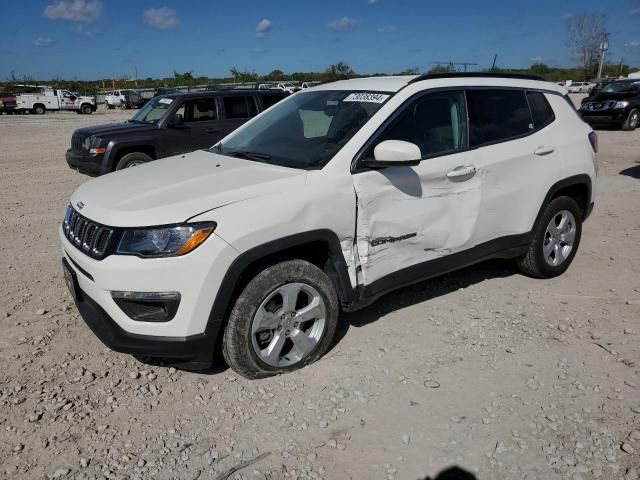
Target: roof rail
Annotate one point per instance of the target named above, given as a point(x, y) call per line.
point(475, 75)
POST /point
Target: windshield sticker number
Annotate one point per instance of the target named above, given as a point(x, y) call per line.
point(366, 97)
point(167, 101)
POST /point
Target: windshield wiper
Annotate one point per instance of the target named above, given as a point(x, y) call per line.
point(248, 155)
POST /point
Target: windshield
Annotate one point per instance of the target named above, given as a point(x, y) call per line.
point(306, 130)
point(153, 111)
point(616, 87)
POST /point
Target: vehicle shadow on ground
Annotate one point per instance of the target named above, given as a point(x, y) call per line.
point(453, 473)
point(633, 172)
point(424, 291)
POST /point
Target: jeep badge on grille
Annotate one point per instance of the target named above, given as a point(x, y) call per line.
point(80, 205)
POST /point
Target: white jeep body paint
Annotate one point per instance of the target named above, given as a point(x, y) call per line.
point(385, 220)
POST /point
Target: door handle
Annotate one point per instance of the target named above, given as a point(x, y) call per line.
point(462, 173)
point(212, 130)
point(543, 150)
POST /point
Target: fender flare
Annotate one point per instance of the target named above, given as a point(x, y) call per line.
point(114, 146)
point(582, 179)
point(232, 276)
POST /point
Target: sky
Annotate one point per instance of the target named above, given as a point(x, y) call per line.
point(101, 39)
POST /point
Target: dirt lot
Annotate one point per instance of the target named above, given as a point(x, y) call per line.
point(486, 370)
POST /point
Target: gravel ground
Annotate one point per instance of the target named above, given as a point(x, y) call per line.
point(486, 370)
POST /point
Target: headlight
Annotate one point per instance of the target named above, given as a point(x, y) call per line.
point(87, 143)
point(166, 241)
point(622, 104)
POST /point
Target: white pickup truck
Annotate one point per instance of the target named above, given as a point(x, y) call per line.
point(54, 99)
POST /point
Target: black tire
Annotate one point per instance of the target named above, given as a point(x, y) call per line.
point(38, 109)
point(237, 342)
point(86, 109)
point(632, 122)
point(132, 159)
point(533, 263)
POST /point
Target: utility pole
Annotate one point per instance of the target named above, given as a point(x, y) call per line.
point(493, 66)
point(604, 46)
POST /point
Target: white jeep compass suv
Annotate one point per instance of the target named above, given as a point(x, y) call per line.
point(323, 203)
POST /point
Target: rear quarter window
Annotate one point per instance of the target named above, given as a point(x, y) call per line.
point(497, 115)
point(541, 111)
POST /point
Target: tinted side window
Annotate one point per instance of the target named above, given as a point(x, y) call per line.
point(436, 122)
point(237, 106)
point(201, 110)
point(270, 100)
point(541, 111)
point(496, 115)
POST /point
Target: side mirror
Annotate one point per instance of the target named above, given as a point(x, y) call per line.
point(177, 121)
point(391, 153)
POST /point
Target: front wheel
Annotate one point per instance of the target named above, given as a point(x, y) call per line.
point(633, 120)
point(285, 318)
point(556, 237)
point(86, 109)
point(132, 159)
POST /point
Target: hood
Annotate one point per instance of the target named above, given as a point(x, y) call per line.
point(114, 129)
point(603, 97)
point(174, 189)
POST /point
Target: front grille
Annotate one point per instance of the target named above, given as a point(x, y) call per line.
point(87, 236)
point(597, 106)
point(76, 142)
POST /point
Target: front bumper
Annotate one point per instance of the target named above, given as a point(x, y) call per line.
point(606, 117)
point(195, 351)
point(190, 336)
point(84, 162)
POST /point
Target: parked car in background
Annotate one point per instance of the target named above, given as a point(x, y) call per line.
point(7, 103)
point(123, 99)
point(286, 87)
point(617, 103)
point(306, 85)
point(332, 198)
point(580, 87)
point(167, 125)
point(54, 99)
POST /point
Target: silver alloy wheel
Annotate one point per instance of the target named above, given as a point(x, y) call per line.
point(288, 325)
point(633, 121)
point(559, 238)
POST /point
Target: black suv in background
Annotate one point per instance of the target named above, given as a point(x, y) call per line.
point(617, 103)
point(167, 125)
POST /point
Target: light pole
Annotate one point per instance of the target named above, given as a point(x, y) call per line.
point(604, 46)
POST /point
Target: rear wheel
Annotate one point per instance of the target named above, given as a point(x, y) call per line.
point(633, 120)
point(132, 159)
point(38, 109)
point(285, 318)
point(556, 237)
point(86, 109)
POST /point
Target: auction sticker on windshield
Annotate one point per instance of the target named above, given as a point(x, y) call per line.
point(366, 97)
point(168, 101)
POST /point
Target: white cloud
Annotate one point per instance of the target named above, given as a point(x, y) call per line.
point(343, 24)
point(43, 42)
point(635, 11)
point(634, 44)
point(163, 18)
point(388, 29)
point(263, 27)
point(372, 2)
point(74, 10)
point(533, 60)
